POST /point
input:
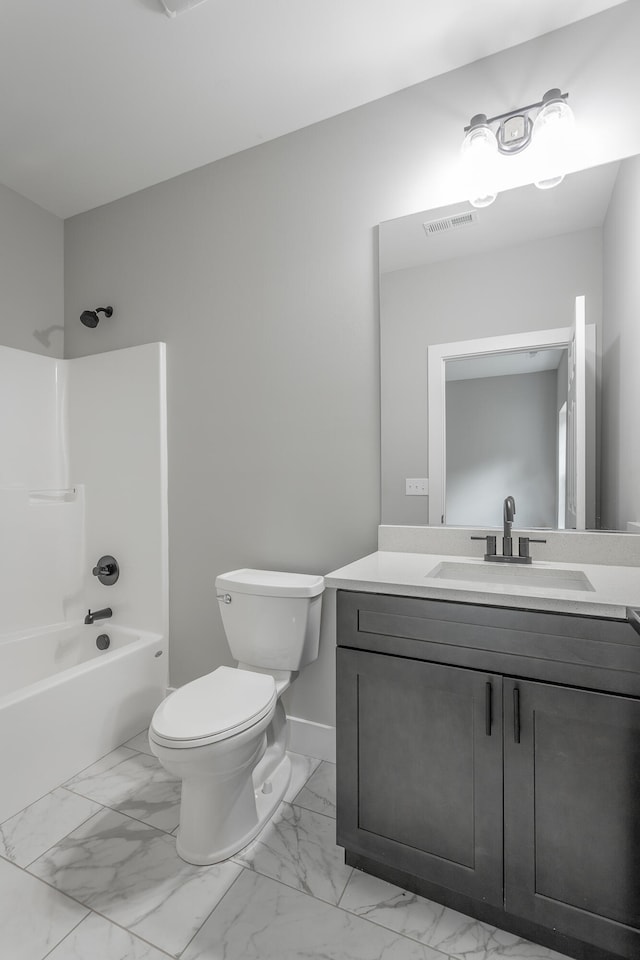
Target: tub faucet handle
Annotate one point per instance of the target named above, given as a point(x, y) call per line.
point(107, 570)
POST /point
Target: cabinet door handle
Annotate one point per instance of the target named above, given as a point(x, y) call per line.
point(487, 708)
point(516, 715)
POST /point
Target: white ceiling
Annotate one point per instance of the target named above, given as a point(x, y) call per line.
point(101, 98)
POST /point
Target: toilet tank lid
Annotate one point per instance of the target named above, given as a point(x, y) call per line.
point(270, 583)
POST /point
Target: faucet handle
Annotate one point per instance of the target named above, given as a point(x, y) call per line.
point(523, 545)
point(491, 544)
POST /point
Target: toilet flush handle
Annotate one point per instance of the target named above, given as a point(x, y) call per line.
point(224, 597)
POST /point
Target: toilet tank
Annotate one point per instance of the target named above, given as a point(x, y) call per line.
point(271, 619)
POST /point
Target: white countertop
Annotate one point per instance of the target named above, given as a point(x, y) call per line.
point(614, 588)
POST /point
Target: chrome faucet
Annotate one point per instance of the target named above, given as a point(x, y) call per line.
point(509, 512)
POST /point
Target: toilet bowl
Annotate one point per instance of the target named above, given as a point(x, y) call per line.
point(225, 734)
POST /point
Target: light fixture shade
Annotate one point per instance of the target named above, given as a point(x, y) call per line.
point(174, 7)
point(552, 136)
point(479, 156)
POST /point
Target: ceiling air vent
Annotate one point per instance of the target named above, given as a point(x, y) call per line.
point(449, 223)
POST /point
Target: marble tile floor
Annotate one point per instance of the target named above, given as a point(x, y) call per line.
point(90, 872)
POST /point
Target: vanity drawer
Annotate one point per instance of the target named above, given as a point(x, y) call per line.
point(590, 652)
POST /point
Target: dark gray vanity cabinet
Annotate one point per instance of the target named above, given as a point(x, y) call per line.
point(489, 758)
point(421, 767)
point(572, 812)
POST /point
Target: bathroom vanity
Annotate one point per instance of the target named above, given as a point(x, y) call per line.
point(488, 743)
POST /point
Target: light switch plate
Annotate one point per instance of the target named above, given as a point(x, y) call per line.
point(417, 487)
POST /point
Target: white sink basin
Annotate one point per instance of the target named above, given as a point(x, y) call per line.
point(511, 574)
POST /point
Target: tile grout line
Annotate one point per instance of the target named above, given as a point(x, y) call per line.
point(243, 869)
point(405, 936)
point(114, 923)
point(168, 835)
point(66, 836)
point(345, 889)
point(90, 910)
point(215, 907)
point(68, 933)
point(25, 868)
point(62, 785)
point(301, 806)
point(327, 903)
point(105, 806)
point(45, 852)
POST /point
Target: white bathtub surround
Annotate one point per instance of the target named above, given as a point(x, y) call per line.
point(91, 480)
point(117, 441)
point(64, 703)
point(602, 547)
point(32, 397)
point(154, 905)
point(42, 560)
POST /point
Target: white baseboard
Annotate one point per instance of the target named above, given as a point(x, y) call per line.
point(312, 739)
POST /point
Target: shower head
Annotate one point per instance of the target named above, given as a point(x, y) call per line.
point(90, 318)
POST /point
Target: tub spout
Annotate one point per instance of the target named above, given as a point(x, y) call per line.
point(93, 615)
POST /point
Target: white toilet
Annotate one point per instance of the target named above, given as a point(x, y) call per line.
point(225, 734)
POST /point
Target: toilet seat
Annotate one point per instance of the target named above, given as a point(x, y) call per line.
point(214, 707)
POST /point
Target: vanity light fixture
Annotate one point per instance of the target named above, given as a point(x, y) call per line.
point(547, 125)
point(174, 7)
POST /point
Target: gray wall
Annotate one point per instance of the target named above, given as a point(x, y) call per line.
point(260, 273)
point(620, 445)
point(31, 276)
point(531, 286)
point(501, 436)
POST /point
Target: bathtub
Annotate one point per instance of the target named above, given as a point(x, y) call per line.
point(64, 703)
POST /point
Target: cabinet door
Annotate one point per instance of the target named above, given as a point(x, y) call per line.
point(420, 769)
point(572, 812)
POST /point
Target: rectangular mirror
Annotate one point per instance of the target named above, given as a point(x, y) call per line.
point(476, 313)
